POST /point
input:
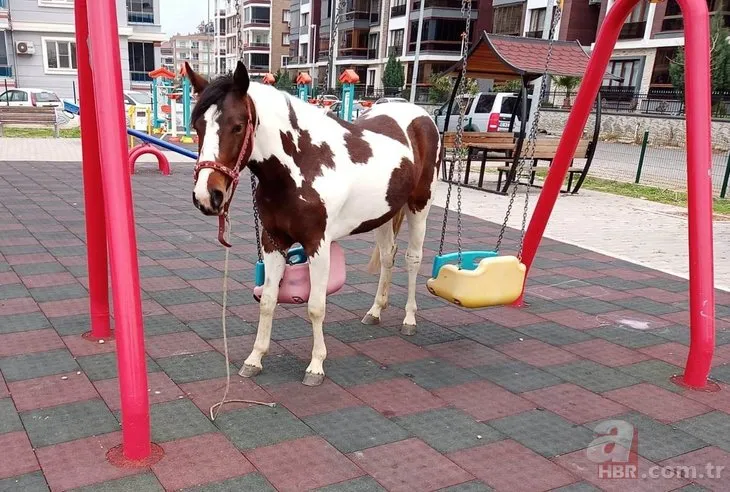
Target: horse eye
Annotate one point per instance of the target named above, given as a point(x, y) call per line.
point(237, 128)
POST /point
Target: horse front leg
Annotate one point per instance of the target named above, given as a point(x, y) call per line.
point(319, 272)
point(274, 264)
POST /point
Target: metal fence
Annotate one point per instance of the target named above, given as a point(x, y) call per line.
point(660, 103)
point(651, 162)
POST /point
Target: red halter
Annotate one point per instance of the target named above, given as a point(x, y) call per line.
point(233, 174)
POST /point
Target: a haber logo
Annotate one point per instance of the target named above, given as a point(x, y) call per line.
point(615, 450)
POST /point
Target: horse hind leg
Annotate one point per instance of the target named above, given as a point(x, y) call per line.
point(386, 247)
point(414, 254)
point(319, 271)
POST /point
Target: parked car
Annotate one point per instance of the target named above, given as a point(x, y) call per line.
point(137, 98)
point(491, 112)
point(384, 100)
point(30, 97)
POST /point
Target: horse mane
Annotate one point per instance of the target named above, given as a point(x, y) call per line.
point(214, 93)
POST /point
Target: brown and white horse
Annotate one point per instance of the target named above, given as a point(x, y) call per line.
point(320, 179)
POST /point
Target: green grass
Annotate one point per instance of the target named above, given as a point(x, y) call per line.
point(16, 132)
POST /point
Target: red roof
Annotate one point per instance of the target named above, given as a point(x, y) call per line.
point(501, 57)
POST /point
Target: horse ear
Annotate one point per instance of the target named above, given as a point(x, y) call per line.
point(240, 78)
point(197, 81)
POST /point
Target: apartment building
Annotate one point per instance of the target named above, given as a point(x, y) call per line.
point(38, 49)
point(196, 49)
point(264, 32)
point(167, 56)
point(578, 22)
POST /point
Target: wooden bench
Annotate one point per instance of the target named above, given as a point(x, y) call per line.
point(501, 143)
point(28, 115)
point(545, 149)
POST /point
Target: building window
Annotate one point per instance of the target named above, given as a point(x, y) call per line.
point(508, 20)
point(537, 23)
point(59, 55)
point(629, 71)
point(259, 61)
point(635, 24)
point(5, 69)
point(373, 43)
point(284, 61)
point(438, 35)
point(285, 16)
point(140, 11)
point(141, 61)
point(56, 3)
point(398, 8)
point(285, 39)
point(395, 44)
point(304, 22)
point(256, 15)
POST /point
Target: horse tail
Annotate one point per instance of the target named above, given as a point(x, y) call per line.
point(397, 221)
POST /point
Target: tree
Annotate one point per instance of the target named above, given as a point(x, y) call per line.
point(283, 81)
point(514, 85)
point(442, 85)
point(719, 59)
point(568, 83)
point(393, 75)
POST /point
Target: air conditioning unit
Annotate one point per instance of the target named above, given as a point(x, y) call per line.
point(25, 48)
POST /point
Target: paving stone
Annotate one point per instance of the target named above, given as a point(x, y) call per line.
point(68, 422)
point(626, 337)
point(9, 420)
point(554, 333)
point(544, 432)
point(356, 428)
point(362, 484)
point(259, 426)
point(31, 482)
point(195, 367)
point(593, 376)
point(517, 377)
point(354, 331)
point(15, 323)
point(488, 334)
point(711, 427)
point(357, 370)
point(253, 482)
point(144, 482)
point(36, 365)
point(104, 366)
point(432, 373)
point(448, 429)
point(654, 371)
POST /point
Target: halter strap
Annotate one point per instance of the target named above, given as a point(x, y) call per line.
point(233, 174)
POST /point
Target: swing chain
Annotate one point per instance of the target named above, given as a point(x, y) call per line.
point(339, 6)
point(531, 145)
point(239, 30)
point(459, 145)
point(257, 225)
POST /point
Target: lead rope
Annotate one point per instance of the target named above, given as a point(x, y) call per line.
point(215, 409)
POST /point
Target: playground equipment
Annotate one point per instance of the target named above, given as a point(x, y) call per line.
point(186, 105)
point(303, 81)
point(269, 79)
point(161, 86)
point(348, 78)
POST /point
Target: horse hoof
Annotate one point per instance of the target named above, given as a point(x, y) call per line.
point(311, 379)
point(249, 371)
point(408, 330)
point(371, 320)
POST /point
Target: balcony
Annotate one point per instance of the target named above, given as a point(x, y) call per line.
point(256, 46)
point(395, 50)
point(132, 17)
point(445, 4)
point(398, 11)
point(372, 54)
point(534, 34)
point(633, 30)
point(438, 46)
point(263, 22)
point(137, 76)
point(6, 72)
point(258, 67)
point(353, 53)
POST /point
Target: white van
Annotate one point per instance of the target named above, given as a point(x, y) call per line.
point(491, 112)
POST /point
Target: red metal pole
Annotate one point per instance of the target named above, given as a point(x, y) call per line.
point(699, 192)
point(93, 193)
point(699, 186)
point(107, 76)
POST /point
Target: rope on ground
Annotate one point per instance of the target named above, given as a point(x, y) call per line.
point(215, 409)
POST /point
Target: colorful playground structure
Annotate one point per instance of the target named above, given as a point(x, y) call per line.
point(111, 227)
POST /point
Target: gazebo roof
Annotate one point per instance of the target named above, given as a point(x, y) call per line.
point(501, 57)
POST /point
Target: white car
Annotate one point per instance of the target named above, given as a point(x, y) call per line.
point(487, 112)
point(30, 97)
point(384, 100)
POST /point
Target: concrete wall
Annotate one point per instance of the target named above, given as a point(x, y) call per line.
point(664, 131)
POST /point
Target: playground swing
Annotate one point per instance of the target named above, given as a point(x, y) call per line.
point(484, 278)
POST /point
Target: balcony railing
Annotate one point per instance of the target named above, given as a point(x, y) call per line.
point(138, 76)
point(257, 21)
point(396, 50)
point(258, 67)
point(534, 34)
point(372, 54)
point(442, 46)
point(633, 30)
point(255, 46)
point(6, 72)
point(357, 15)
point(135, 17)
point(353, 53)
point(444, 4)
point(374, 17)
point(398, 10)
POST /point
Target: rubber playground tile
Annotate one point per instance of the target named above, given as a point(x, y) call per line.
point(507, 465)
point(154, 271)
point(658, 403)
point(656, 372)
point(280, 368)
point(484, 400)
point(20, 305)
point(390, 350)
point(177, 297)
point(49, 391)
point(195, 367)
point(79, 463)
point(606, 353)
point(537, 353)
point(252, 481)
point(67, 307)
point(488, 333)
point(356, 428)
point(354, 331)
point(554, 333)
point(46, 280)
point(432, 373)
point(23, 322)
point(161, 389)
point(209, 329)
point(466, 353)
point(642, 321)
point(574, 403)
point(240, 347)
point(68, 422)
point(142, 482)
point(104, 366)
point(705, 461)
point(259, 426)
point(593, 376)
point(712, 427)
point(473, 486)
point(508, 317)
point(207, 393)
point(202, 273)
point(30, 366)
point(333, 313)
point(302, 347)
point(291, 327)
point(616, 283)
point(395, 397)
point(517, 377)
point(71, 325)
point(9, 420)
point(361, 484)
point(234, 297)
point(357, 370)
point(719, 400)
point(4, 391)
point(427, 334)
point(13, 291)
point(579, 487)
point(30, 481)
point(20, 343)
point(59, 293)
point(304, 401)
point(449, 316)
point(175, 344)
point(355, 301)
point(16, 445)
point(647, 306)
point(721, 373)
point(625, 336)
point(157, 284)
point(30, 258)
point(448, 429)
point(410, 465)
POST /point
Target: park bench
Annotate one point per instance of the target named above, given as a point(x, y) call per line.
point(545, 149)
point(494, 146)
point(29, 115)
